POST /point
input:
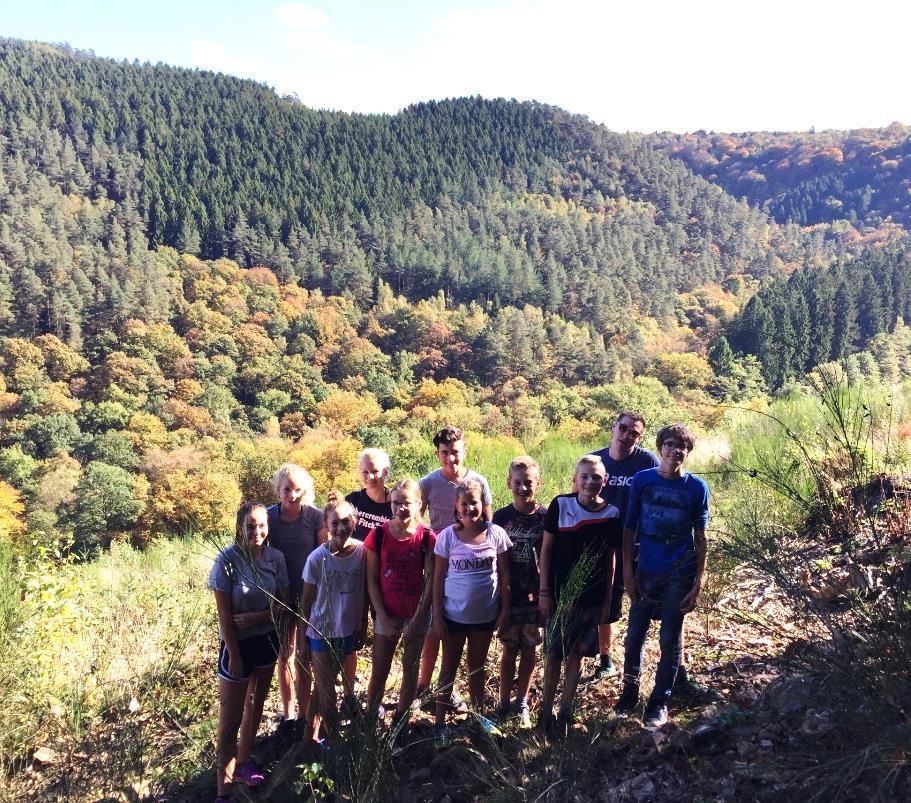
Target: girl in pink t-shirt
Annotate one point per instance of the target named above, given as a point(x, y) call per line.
point(399, 581)
point(470, 598)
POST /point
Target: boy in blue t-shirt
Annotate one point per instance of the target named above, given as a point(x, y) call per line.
point(667, 513)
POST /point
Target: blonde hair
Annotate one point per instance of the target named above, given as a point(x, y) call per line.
point(590, 460)
point(335, 501)
point(409, 488)
point(301, 476)
point(378, 456)
point(523, 463)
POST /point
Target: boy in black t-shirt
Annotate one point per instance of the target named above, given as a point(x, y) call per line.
point(523, 521)
point(581, 532)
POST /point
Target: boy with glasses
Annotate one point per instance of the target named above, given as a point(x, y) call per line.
point(667, 512)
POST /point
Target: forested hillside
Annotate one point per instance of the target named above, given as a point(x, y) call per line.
point(511, 203)
point(822, 315)
point(194, 271)
point(862, 177)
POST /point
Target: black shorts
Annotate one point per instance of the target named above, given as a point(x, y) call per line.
point(576, 634)
point(256, 652)
point(462, 627)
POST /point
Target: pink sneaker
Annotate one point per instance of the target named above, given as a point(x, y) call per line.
point(248, 773)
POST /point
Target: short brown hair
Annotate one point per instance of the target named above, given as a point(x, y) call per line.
point(523, 463)
point(678, 431)
point(635, 415)
point(448, 435)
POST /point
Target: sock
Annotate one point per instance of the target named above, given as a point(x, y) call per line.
point(521, 702)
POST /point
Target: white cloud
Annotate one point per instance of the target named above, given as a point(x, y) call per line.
point(301, 17)
point(211, 56)
point(631, 65)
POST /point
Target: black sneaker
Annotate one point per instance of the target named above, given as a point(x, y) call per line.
point(688, 689)
point(655, 716)
point(628, 701)
point(602, 671)
point(288, 731)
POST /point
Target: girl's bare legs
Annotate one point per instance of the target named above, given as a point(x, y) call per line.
point(383, 651)
point(570, 680)
point(231, 697)
point(411, 658)
point(453, 645)
point(257, 689)
point(326, 667)
point(286, 667)
point(478, 645)
point(428, 659)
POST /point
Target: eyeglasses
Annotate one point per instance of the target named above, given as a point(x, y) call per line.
point(675, 445)
point(623, 429)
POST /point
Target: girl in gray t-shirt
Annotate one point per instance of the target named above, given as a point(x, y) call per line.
point(250, 582)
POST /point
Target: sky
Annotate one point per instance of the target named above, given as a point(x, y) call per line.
point(633, 65)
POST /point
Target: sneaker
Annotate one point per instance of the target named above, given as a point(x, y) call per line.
point(248, 773)
point(457, 703)
point(441, 737)
point(503, 710)
point(627, 702)
point(524, 717)
point(687, 688)
point(655, 716)
point(486, 726)
point(603, 671)
point(288, 731)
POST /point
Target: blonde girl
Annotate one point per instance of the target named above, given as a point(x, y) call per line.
point(296, 528)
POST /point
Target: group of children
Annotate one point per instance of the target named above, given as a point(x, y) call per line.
point(294, 587)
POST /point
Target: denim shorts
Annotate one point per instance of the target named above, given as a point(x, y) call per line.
point(343, 645)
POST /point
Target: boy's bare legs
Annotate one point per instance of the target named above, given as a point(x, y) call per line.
point(551, 678)
point(508, 673)
point(527, 658)
point(570, 682)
